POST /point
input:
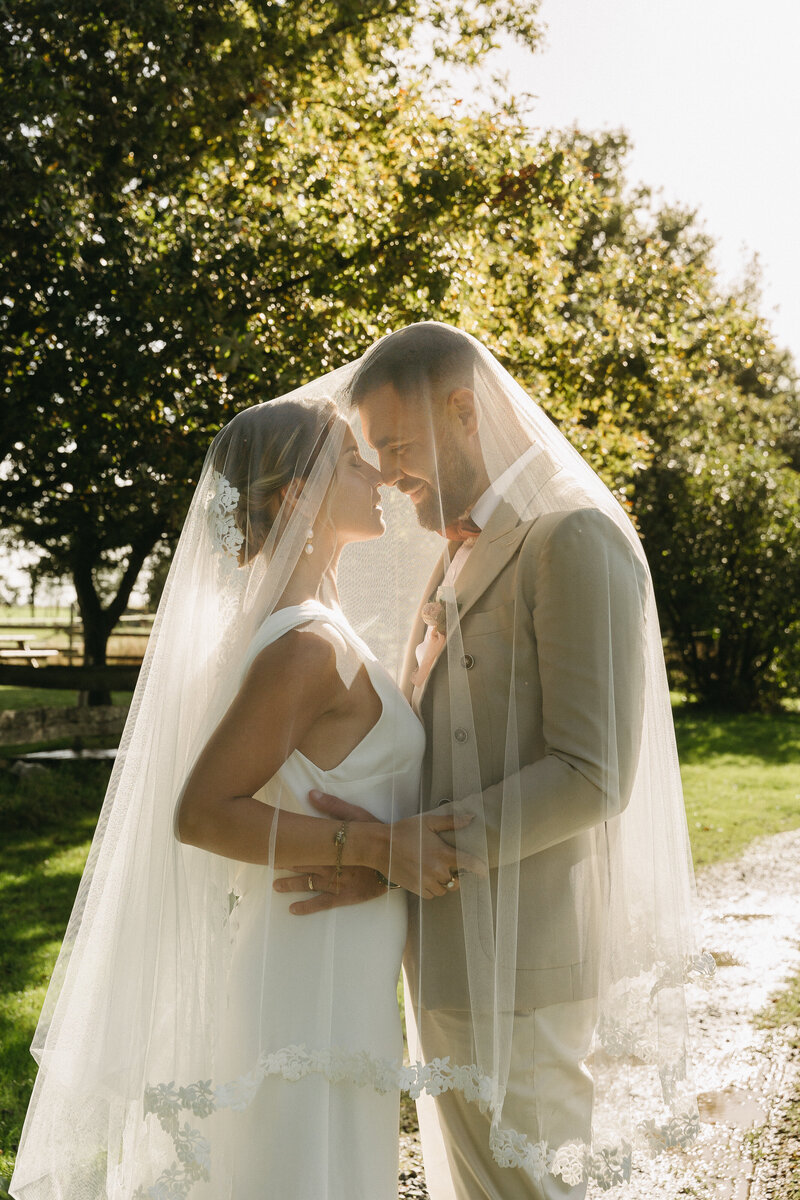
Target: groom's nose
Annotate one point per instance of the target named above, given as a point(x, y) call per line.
point(374, 475)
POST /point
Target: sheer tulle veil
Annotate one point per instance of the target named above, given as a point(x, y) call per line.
point(134, 1093)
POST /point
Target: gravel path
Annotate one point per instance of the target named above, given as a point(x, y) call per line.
point(750, 913)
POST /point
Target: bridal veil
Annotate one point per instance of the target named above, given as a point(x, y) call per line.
point(589, 893)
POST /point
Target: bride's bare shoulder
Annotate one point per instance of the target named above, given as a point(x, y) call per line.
point(305, 649)
point(301, 659)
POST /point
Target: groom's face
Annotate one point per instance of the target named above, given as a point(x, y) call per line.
point(424, 451)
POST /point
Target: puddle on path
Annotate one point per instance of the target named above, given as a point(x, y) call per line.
point(729, 1170)
point(732, 1106)
point(762, 916)
point(724, 958)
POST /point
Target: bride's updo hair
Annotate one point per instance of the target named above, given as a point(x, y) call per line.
point(261, 451)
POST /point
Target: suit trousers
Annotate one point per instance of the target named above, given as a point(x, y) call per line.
point(547, 1077)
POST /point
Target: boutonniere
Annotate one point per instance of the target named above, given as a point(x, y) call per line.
point(434, 614)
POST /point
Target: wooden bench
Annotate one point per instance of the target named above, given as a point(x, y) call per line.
point(23, 652)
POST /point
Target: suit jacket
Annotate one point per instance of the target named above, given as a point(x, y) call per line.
point(547, 606)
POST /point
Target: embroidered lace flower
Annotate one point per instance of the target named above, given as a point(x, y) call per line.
point(679, 1131)
point(569, 1161)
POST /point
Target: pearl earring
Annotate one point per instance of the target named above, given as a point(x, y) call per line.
point(309, 540)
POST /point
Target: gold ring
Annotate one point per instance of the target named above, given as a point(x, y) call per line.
point(311, 887)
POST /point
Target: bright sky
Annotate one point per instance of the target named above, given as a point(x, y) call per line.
point(709, 91)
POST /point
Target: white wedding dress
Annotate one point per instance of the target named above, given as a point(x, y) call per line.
point(313, 1035)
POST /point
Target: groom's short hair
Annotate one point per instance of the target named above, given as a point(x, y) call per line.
point(420, 360)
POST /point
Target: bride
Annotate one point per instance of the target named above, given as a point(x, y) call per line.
point(295, 1022)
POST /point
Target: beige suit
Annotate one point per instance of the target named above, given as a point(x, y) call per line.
point(552, 600)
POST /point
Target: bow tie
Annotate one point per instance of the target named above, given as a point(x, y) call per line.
point(462, 530)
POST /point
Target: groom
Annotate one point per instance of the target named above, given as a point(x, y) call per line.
point(418, 410)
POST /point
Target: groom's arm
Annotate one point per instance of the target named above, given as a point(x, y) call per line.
point(588, 615)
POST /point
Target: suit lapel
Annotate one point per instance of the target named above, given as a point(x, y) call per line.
point(497, 544)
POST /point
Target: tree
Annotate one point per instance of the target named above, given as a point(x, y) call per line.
point(288, 195)
point(672, 388)
point(727, 571)
point(205, 202)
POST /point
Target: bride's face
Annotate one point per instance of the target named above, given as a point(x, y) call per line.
point(354, 507)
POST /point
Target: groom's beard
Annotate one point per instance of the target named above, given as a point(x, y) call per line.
point(457, 483)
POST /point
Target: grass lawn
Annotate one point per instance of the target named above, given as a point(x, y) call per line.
point(741, 778)
point(47, 821)
point(15, 698)
point(17, 613)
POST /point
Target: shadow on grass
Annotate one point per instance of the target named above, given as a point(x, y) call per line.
point(704, 733)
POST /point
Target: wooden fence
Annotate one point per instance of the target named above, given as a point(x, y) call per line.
point(82, 679)
point(40, 653)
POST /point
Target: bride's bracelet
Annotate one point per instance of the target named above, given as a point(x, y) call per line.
point(339, 839)
point(387, 883)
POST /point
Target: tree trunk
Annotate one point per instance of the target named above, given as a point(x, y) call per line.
point(96, 632)
point(99, 622)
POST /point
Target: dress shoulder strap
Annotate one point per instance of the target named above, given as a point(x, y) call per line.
point(282, 620)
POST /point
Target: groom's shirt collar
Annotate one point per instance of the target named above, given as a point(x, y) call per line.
point(485, 505)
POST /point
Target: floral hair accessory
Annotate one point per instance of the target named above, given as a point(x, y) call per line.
point(222, 502)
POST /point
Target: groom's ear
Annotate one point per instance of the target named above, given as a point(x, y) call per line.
point(461, 406)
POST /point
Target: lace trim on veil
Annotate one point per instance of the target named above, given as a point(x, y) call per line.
point(576, 1162)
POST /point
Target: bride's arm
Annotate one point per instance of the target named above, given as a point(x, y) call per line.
point(291, 685)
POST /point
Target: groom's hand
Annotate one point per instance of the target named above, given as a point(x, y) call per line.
point(354, 885)
point(333, 806)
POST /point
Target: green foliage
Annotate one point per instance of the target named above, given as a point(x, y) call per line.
point(678, 396)
point(723, 531)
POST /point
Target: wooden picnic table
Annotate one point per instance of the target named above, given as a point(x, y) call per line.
point(29, 654)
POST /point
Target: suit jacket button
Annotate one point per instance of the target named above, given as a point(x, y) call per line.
point(468, 661)
point(461, 735)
